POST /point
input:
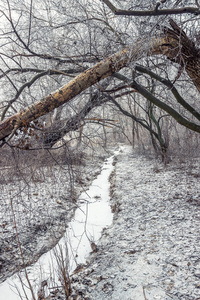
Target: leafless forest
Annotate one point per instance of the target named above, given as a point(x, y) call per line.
point(78, 78)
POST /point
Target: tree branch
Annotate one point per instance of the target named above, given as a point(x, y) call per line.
point(126, 113)
point(172, 88)
point(181, 120)
point(155, 12)
point(167, 45)
point(197, 3)
point(27, 84)
point(50, 71)
point(52, 137)
point(32, 53)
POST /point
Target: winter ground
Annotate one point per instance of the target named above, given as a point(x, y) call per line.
point(42, 208)
point(152, 249)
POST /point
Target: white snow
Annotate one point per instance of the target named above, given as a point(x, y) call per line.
point(152, 249)
point(90, 218)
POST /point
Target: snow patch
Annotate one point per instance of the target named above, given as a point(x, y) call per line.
point(90, 218)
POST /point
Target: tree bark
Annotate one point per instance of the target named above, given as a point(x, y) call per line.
point(155, 12)
point(173, 43)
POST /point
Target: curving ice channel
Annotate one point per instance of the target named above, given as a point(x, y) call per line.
point(92, 215)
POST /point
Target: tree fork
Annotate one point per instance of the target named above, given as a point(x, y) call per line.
point(167, 44)
point(81, 82)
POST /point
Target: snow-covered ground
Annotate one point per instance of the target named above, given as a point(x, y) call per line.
point(43, 204)
point(92, 215)
point(152, 249)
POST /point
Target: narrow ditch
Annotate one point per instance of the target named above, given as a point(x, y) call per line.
point(92, 215)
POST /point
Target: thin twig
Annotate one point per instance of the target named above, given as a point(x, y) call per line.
point(144, 293)
point(30, 23)
point(20, 249)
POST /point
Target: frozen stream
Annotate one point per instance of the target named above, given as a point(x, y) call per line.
point(90, 218)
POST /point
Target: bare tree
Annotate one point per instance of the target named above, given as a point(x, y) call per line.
point(93, 71)
point(172, 43)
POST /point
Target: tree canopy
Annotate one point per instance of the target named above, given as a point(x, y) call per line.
point(129, 56)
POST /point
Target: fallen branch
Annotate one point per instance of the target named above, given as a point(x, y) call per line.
point(174, 44)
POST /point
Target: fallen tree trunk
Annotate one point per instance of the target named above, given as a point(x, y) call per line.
point(81, 82)
point(174, 44)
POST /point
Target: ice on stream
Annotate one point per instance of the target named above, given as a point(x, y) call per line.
point(90, 218)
